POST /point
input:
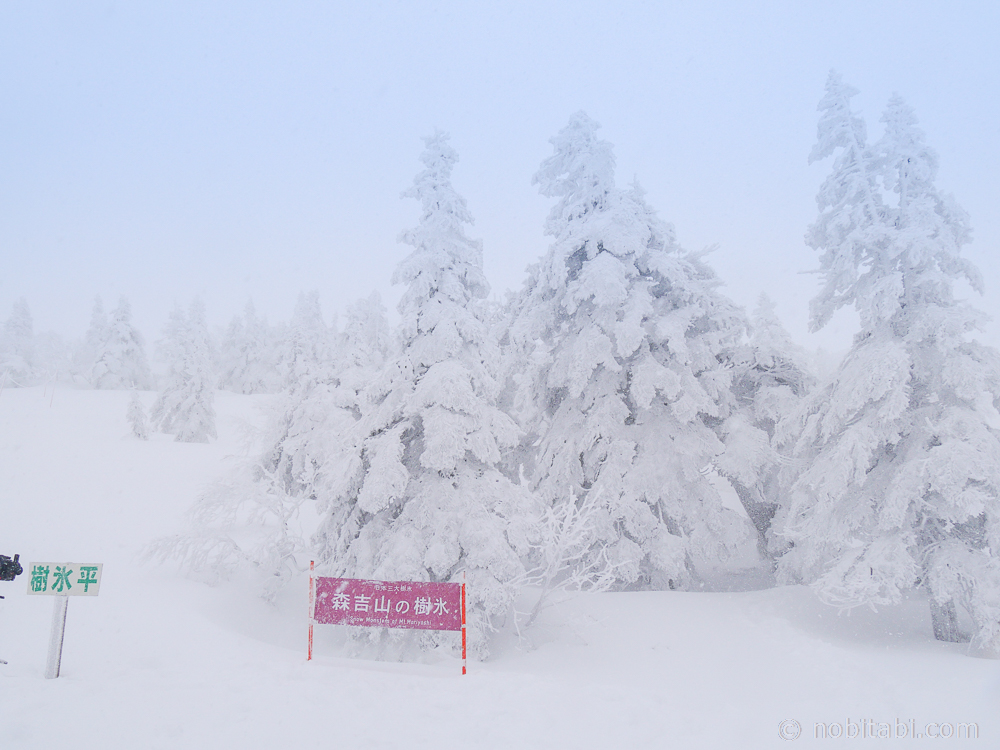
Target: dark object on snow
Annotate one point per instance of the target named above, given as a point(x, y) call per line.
point(9, 568)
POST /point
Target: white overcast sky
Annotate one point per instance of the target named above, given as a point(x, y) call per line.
point(164, 150)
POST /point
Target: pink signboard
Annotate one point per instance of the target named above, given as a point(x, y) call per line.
point(388, 604)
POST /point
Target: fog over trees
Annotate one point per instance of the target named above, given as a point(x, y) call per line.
point(617, 423)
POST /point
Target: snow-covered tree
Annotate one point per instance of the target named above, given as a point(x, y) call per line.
point(248, 358)
point(366, 340)
point(621, 372)
point(772, 377)
point(86, 353)
point(17, 346)
point(307, 352)
point(184, 407)
point(98, 327)
point(900, 484)
point(852, 230)
point(421, 497)
point(136, 416)
point(120, 360)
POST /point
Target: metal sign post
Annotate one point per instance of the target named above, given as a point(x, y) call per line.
point(312, 608)
point(463, 623)
point(62, 580)
point(56, 635)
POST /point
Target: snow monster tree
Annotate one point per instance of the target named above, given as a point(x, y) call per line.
point(621, 374)
point(901, 451)
point(420, 496)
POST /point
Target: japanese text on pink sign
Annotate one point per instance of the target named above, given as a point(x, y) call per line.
point(388, 604)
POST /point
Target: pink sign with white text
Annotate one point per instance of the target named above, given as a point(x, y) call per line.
point(413, 605)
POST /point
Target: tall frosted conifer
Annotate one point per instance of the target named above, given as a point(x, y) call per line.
point(136, 416)
point(902, 449)
point(17, 346)
point(120, 360)
point(98, 327)
point(184, 407)
point(86, 353)
point(307, 352)
point(249, 364)
point(852, 230)
point(620, 372)
point(425, 500)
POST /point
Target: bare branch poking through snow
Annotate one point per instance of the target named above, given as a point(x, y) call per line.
point(568, 560)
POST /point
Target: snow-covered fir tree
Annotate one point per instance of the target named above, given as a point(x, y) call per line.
point(136, 416)
point(621, 373)
point(367, 339)
point(86, 353)
point(184, 407)
point(98, 327)
point(307, 351)
point(901, 451)
point(310, 419)
point(421, 497)
point(229, 364)
point(120, 359)
point(852, 230)
point(17, 346)
point(249, 363)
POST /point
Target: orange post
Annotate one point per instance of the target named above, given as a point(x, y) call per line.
point(463, 623)
point(312, 610)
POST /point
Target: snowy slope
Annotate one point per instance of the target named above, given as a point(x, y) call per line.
point(158, 661)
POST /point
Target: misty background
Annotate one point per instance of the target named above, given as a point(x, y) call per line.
point(256, 150)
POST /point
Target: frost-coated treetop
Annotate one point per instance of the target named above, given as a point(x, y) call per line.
point(581, 173)
point(867, 244)
point(444, 273)
point(850, 232)
point(930, 227)
point(591, 209)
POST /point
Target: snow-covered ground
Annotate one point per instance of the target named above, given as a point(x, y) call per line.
point(159, 661)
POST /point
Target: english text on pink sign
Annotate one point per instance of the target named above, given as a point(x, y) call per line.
point(414, 605)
